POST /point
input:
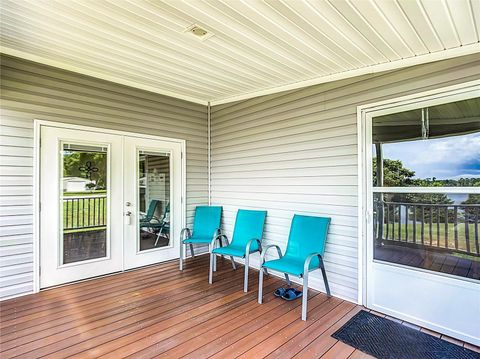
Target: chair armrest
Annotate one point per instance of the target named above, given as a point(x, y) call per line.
point(215, 239)
point(264, 252)
point(185, 233)
point(156, 219)
point(249, 244)
point(309, 259)
point(217, 233)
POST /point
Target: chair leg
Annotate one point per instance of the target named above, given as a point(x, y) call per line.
point(181, 256)
point(260, 287)
point(324, 274)
point(233, 263)
point(305, 296)
point(287, 278)
point(245, 279)
point(156, 240)
point(220, 243)
point(210, 271)
point(191, 250)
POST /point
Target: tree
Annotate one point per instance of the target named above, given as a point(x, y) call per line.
point(394, 174)
point(74, 166)
point(472, 212)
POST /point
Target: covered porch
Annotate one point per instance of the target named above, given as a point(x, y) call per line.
point(121, 119)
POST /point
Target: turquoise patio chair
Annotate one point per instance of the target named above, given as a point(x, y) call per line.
point(305, 249)
point(247, 238)
point(149, 217)
point(206, 227)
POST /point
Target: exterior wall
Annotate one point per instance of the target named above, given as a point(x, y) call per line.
point(33, 91)
point(296, 152)
point(292, 152)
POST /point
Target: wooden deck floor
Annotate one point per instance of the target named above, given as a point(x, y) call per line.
point(429, 258)
point(159, 312)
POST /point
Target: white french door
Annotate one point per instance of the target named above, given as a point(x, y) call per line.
point(109, 202)
point(152, 170)
point(422, 205)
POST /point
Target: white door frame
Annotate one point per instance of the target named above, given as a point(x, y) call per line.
point(364, 117)
point(38, 123)
point(364, 165)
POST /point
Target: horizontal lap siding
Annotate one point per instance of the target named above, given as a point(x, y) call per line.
point(32, 91)
point(296, 152)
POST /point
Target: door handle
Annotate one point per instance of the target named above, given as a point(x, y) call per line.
point(128, 217)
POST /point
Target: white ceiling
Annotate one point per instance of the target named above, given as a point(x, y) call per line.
point(257, 46)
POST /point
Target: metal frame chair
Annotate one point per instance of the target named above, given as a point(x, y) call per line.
point(206, 228)
point(164, 225)
point(146, 221)
point(246, 239)
point(305, 249)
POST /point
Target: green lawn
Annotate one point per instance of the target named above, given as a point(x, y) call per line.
point(84, 212)
point(82, 194)
point(438, 237)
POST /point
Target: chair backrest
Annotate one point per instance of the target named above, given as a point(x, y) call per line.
point(248, 224)
point(207, 221)
point(308, 235)
point(166, 214)
point(152, 207)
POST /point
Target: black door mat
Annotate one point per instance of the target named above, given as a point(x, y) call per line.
point(386, 339)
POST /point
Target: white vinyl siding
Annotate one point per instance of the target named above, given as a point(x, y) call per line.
point(296, 152)
point(33, 91)
point(292, 152)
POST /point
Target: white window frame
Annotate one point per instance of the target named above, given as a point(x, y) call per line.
point(365, 113)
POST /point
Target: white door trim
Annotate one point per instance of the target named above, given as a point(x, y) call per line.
point(382, 108)
point(36, 179)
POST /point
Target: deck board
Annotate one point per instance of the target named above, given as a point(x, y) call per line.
point(159, 311)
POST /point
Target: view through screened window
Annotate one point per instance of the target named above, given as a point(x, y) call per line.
point(432, 148)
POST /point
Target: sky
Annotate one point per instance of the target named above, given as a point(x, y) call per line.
point(443, 158)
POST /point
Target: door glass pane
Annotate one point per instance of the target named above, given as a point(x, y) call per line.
point(84, 202)
point(154, 199)
point(435, 147)
point(435, 231)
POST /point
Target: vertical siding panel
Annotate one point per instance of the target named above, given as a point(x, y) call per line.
point(33, 91)
point(296, 152)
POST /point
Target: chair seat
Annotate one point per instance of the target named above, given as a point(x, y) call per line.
point(151, 224)
point(287, 265)
point(204, 240)
point(230, 250)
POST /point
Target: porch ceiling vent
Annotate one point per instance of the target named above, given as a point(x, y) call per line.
point(198, 32)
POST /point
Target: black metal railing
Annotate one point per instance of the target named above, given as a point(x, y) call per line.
point(445, 226)
point(84, 212)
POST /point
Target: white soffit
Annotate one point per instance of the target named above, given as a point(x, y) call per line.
point(251, 48)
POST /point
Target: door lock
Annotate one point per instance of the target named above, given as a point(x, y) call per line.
point(128, 217)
